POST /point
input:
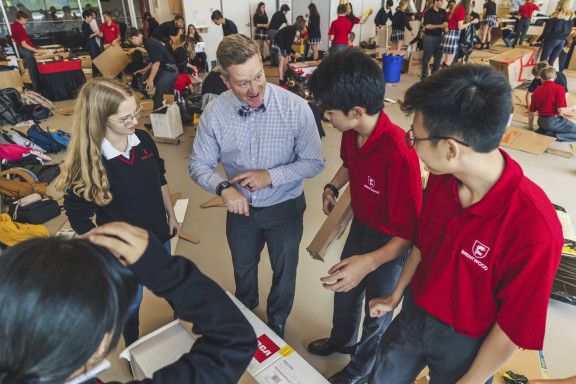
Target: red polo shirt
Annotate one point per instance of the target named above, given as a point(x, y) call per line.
point(385, 183)
point(182, 82)
point(459, 15)
point(527, 9)
point(493, 261)
point(110, 32)
point(547, 98)
point(19, 34)
point(340, 29)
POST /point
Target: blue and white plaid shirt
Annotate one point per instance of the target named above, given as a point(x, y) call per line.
point(283, 140)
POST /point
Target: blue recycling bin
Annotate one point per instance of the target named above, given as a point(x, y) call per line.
point(392, 68)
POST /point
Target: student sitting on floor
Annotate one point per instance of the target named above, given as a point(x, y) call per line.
point(549, 100)
point(536, 82)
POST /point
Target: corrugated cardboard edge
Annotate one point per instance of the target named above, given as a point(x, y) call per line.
point(333, 227)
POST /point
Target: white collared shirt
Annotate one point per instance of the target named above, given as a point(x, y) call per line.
point(109, 152)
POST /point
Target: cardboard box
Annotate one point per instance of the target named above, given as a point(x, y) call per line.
point(415, 63)
point(112, 61)
point(333, 227)
point(86, 61)
point(11, 79)
point(516, 65)
point(304, 68)
point(166, 122)
point(87, 73)
point(526, 140)
point(382, 33)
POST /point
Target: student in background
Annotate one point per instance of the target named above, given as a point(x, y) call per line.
point(549, 100)
point(185, 53)
point(152, 23)
point(112, 170)
point(353, 19)
point(260, 20)
point(507, 34)
point(384, 14)
point(278, 18)
point(90, 39)
point(386, 191)
point(95, 28)
point(557, 29)
point(458, 20)
point(228, 26)
point(172, 30)
point(69, 299)
point(399, 23)
point(25, 47)
point(110, 30)
point(339, 30)
point(212, 86)
point(525, 12)
point(314, 34)
point(435, 20)
point(282, 45)
point(474, 15)
point(351, 38)
point(297, 89)
point(464, 284)
point(537, 81)
point(200, 59)
point(490, 21)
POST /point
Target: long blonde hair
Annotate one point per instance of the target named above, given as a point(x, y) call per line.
point(83, 173)
point(563, 10)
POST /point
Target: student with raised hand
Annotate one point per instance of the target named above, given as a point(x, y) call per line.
point(386, 193)
point(475, 264)
point(69, 300)
point(114, 172)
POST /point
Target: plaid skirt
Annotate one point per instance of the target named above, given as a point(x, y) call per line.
point(261, 34)
point(450, 42)
point(490, 20)
point(397, 35)
point(275, 50)
point(314, 40)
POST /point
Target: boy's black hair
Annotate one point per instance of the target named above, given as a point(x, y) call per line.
point(390, 3)
point(342, 9)
point(346, 80)
point(470, 102)
point(87, 13)
point(285, 8)
point(216, 15)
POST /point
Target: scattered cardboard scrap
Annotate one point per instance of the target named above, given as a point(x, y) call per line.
point(526, 140)
point(189, 237)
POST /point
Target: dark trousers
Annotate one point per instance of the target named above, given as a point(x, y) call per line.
point(30, 63)
point(521, 30)
point(348, 305)
point(94, 50)
point(558, 126)
point(432, 47)
point(165, 82)
point(416, 339)
point(273, 58)
point(551, 50)
point(279, 227)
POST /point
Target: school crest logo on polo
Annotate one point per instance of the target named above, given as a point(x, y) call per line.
point(480, 250)
point(371, 182)
point(371, 186)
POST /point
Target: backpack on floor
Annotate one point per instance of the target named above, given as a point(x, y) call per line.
point(23, 140)
point(13, 95)
point(7, 113)
point(61, 137)
point(44, 139)
point(31, 97)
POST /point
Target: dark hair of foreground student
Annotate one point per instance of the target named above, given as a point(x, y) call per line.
point(59, 299)
point(471, 102)
point(346, 80)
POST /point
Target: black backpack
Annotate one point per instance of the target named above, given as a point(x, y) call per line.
point(7, 113)
point(14, 97)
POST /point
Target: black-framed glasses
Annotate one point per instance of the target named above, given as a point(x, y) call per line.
point(410, 139)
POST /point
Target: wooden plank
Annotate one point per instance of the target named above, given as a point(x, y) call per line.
point(189, 237)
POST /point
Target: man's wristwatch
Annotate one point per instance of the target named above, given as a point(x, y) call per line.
point(222, 186)
point(333, 189)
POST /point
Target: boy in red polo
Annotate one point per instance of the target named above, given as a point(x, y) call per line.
point(25, 47)
point(549, 100)
point(340, 30)
point(110, 30)
point(477, 282)
point(386, 193)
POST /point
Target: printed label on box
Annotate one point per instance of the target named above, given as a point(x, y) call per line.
point(266, 348)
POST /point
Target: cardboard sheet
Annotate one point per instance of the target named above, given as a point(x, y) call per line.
point(215, 202)
point(11, 79)
point(526, 141)
point(112, 61)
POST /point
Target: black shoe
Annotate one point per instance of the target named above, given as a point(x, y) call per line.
point(277, 328)
point(323, 347)
point(344, 377)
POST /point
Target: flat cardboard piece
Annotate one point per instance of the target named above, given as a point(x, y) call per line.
point(189, 237)
point(535, 30)
point(516, 65)
point(247, 379)
point(168, 98)
point(65, 111)
point(521, 114)
point(174, 197)
point(112, 61)
point(526, 140)
point(215, 202)
point(333, 227)
point(564, 149)
point(11, 79)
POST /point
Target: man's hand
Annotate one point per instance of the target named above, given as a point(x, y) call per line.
point(149, 84)
point(123, 240)
point(235, 201)
point(253, 180)
point(382, 305)
point(348, 273)
point(174, 226)
point(328, 201)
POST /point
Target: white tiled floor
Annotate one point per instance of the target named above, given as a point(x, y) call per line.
point(311, 316)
